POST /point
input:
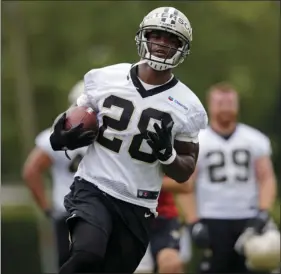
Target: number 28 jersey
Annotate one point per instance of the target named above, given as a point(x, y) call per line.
point(226, 183)
point(120, 162)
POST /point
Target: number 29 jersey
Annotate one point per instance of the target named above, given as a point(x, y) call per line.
point(120, 162)
point(226, 183)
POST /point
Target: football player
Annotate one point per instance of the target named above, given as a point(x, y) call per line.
point(149, 125)
point(43, 158)
point(235, 184)
point(165, 253)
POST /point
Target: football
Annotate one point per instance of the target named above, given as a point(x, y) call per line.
point(85, 115)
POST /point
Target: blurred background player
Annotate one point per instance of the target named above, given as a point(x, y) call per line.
point(43, 158)
point(234, 184)
point(169, 248)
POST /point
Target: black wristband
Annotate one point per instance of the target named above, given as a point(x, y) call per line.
point(263, 215)
point(48, 213)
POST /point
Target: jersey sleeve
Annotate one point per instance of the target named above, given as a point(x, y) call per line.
point(263, 146)
point(88, 98)
point(192, 126)
point(43, 142)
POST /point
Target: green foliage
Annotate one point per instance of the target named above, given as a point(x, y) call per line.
point(234, 41)
point(275, 213)
point(21, 241)
point(17, 212)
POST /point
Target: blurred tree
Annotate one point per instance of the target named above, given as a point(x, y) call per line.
point(24, 98)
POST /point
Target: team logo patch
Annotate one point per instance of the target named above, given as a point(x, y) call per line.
point(177, 102)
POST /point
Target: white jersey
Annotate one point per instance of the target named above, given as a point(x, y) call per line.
point(120, 162)
point(226, 183)
point(62, 169)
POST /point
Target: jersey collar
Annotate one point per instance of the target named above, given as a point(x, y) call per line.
point(146, 93)
point(225, 137)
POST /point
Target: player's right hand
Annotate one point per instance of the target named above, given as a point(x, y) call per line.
point(74, 138)
point(199, 234)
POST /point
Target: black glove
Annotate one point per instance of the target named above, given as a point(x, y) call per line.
point(199, 234)
point(161, 141)
point(259, 221)
point(74, 138)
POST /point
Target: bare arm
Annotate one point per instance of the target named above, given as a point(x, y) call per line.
point(187, 201)
point(34, 167)
point(266, 181)
point(172, 186)
point(184, 164)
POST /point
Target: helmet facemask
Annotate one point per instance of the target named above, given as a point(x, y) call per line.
point(157, 63)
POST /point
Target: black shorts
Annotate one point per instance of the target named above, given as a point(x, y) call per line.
point(123, 228)
point(61, 237)
point(165, 233)
point(221, 257)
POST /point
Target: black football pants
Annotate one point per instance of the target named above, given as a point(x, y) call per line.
point(107, 234)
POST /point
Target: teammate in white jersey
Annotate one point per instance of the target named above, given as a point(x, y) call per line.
point(43, 158)
point(235, 184)
point(149, 125)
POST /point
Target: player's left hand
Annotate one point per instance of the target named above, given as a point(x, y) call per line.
point(48, 213)
point(259, 222)
point(161, 141)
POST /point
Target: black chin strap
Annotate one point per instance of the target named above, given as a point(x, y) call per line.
point(66, 154)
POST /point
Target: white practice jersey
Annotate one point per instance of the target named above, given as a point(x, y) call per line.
point(120, 162)
point(62, 169)
point(226, 183)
